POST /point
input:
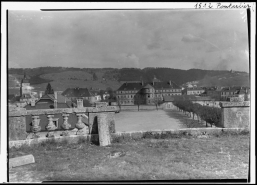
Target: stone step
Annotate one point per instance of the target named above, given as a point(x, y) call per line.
point(23, 160)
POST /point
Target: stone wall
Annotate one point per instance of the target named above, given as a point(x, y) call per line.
point(235, 114)
point(17, 128)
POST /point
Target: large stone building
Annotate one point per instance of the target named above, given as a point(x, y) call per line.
point(146, 92)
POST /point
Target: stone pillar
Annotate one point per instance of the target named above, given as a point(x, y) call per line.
point(50, 126)
point(65, 125)
point(35, 126)
point(82, 129)
point(103, 130)
point(17, 123)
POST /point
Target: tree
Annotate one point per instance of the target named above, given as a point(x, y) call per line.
point(110, 92)
point(138, 100)
point(95, 77)
point(49, 89)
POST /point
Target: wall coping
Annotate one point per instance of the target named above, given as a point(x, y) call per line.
point(64, 110)
point(235, 104)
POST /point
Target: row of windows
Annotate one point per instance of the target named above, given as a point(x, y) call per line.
point(194, 92)
point(151, 90)
point(149, 96)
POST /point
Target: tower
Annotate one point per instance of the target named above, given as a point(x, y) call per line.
point(25, 86)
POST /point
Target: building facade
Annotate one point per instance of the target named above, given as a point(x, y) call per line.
point(194, 91)
point(146, 93)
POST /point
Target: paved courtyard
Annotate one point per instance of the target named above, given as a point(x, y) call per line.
point(148, 120)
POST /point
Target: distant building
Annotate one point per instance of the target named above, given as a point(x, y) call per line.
point(49, 101)
point(229, 92)
point(146, 93)
point(194, 91)
point(82, 96)
point(95, 95)
point(25, 90)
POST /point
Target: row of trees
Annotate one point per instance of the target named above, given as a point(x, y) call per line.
point(210, 115)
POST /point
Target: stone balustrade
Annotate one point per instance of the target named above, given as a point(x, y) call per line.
point(18, 130)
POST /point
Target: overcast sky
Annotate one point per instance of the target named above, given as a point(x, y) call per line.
point(182, 39)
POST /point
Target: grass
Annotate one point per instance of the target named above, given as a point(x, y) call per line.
point(224, 156)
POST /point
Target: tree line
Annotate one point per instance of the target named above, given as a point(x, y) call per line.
point(210, 115)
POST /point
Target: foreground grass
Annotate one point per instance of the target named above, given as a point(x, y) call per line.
point(217, 157)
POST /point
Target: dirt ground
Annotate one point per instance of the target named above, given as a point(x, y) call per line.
point(149, 120)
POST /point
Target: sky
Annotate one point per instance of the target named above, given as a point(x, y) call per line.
point(180, 39)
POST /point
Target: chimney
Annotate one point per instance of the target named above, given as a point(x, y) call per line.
point(153, 82)
point(55, 104)
point(142, 82)
point(170, 82)
point(55, 95)
point(40, 94)
point(79, 103)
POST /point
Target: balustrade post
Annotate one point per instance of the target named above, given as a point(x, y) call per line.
point(50, 126)
point(65, 125)
point(82, 129)
point(35, 126)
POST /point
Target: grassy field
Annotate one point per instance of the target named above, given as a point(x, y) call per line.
point(224, 156)
point(71, 79)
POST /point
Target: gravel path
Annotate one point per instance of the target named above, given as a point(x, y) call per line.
point(148, 120)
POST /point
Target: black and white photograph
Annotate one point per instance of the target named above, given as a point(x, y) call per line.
point(128, 94)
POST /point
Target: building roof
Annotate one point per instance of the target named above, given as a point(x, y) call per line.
point(155, 85)
point(48, 96)
point(76, 92)
point(60, 98)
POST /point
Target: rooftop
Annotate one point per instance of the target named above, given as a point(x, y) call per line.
point(76, 92)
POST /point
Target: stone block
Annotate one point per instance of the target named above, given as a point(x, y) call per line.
point(23, 160)
point(17, 128)
point(235, 117)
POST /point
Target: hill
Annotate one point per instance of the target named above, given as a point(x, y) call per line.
point(102, 78)
point(227, 79)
